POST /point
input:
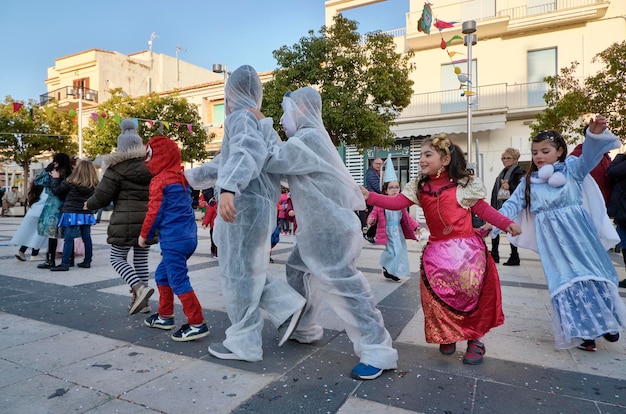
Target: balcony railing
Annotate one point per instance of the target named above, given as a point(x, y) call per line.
point(68, 93)
point(500, 97)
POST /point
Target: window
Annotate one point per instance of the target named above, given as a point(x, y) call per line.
point(218, 115)
point(541, 63)
point(82, 84)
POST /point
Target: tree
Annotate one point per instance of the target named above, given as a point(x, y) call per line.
point(570, 98)
point(364, 83)
point(171, 112)
point(32, 131)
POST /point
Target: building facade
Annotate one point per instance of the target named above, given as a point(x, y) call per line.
point(519, 42)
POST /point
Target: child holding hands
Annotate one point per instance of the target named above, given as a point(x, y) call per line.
point(75, 222)
point(394, 227)
point(459, 287)
point(571, 237)
point(171, 216)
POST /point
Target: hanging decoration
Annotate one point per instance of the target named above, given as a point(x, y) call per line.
point(423, 24)
point(149, 123)
point(17, 106)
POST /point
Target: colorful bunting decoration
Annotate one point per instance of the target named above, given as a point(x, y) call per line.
point(423, 24)
point(17, 106)
point(150, 123)
point(440, 24)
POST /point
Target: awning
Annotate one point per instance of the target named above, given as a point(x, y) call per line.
point(449, 126)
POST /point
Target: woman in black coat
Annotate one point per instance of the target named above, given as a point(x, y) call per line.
point(506, 182)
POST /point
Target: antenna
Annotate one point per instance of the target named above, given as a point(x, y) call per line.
point(150, 42)
point(179, 48)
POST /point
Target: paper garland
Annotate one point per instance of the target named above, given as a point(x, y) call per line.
point(423, 25)
point(150, 123)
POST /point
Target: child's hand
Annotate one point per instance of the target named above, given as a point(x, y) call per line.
point(598, 124)
point(85, 206)
point(366, 194)
point(204, 226)
point(370, 222)
point(227, 207)
point(291, 213)
point(55, 174)
point(514, 229)
point(141, 242)
point(486, 227)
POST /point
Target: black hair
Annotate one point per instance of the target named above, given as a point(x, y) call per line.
point(457, 169)
point(554, 139)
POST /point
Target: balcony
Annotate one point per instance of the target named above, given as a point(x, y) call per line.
point(68, 96)
point(500, 98)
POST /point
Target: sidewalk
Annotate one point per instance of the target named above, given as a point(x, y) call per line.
point(67, 344)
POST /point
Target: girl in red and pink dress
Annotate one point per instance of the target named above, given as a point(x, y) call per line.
point(459, 284)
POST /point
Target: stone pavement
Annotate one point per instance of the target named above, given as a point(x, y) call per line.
point(67, 344)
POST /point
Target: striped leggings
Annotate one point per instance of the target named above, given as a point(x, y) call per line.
point(136, 273)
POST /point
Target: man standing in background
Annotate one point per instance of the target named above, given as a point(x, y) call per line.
point(372, 183)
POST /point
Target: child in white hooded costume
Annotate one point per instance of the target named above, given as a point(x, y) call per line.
point(246, 219)
point(322, 263)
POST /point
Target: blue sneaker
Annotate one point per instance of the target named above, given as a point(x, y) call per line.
point(365, 372)
point(189, 332)
point(157, 321)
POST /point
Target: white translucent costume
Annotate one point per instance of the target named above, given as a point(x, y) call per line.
point(322, 264)
point(244, 245)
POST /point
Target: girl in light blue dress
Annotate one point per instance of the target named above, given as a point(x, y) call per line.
point(564, 220)
point(394, 227)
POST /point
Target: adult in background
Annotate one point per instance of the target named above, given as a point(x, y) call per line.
point(616, 207)
point(372, 183)
point(125, 183)
point(506, 183)
point(10, 199)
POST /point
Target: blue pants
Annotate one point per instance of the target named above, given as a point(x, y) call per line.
point(173, 271)
point(68, 246)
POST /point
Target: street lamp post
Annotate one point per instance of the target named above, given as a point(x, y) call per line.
point(80, 122)
point(219, 68)
point(469, 27)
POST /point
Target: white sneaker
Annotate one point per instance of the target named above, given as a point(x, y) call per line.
point(20, 256)
point(143, 292)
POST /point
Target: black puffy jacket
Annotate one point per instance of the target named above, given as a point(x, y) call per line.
point(126, 183)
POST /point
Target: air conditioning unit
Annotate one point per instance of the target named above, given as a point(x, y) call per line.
point(70, 92)
point(89, 97)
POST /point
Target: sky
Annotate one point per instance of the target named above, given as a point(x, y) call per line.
point(229, 32)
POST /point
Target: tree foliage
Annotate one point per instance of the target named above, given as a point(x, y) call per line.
point(569, 98)
point(172, 113)
point(363, 82)
point(33, 131)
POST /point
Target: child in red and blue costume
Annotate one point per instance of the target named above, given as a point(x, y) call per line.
point(171, 217)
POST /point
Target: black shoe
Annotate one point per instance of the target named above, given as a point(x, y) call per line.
point(84, 265)
point(588, 345)
point(611, 337)
point(511, 262)
point(622, 284)
point(60, 268)
point(46, 265)
point(390, 276)
point(369, 239)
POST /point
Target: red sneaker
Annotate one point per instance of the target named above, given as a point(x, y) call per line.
point(447, 349)
point(474, 353)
